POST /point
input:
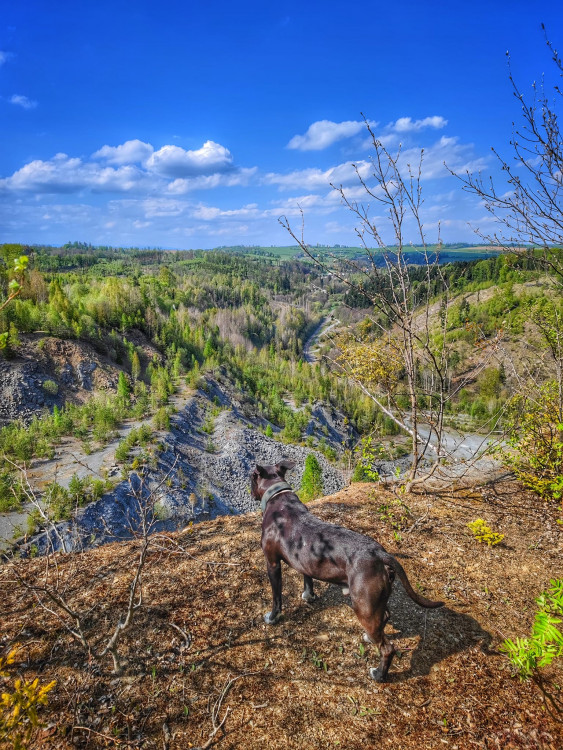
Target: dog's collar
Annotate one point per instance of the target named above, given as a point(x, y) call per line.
point(271, 491)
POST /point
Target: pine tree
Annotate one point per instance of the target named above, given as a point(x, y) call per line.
point(123, 388)
point(135, 366)
point(312, 482)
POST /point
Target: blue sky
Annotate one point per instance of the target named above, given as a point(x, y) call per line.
point(185, 125)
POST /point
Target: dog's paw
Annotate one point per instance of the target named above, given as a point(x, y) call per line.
point(269, 620)
point(366, 638)
point(309, 598)
point(376, 674)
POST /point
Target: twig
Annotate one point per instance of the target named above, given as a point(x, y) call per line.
point(187, 637)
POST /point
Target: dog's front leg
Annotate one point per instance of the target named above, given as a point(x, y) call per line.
point(308, 594)
point(274, 574)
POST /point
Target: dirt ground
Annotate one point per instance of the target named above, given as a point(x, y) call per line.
point(199, 655)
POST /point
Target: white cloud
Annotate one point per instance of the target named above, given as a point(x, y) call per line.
point(63, 174)
point(132, 159)
point(183, 185)
point(457, 156)
point(130, 152)
point(212, 213)
point(23, 101)
point(408, 125)
point(4, 57)
point(174, 161)
point(314, 179)
point(324, 133)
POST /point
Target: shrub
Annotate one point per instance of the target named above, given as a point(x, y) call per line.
point(483, 533)
point(529, 655)
point(312, 481)
point(50, 387)
point(536, 441)
point(161, 419)
point(19, 703)
point(59, 502)
point(362, 474)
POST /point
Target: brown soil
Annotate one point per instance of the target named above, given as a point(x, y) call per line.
point(303, 683)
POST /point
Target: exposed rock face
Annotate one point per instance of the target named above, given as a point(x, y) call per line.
point(75, 367)
point(22, 391)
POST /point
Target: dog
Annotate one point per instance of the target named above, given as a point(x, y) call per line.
point(326, 552)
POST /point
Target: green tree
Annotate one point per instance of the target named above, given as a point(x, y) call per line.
point(135, 367)
point(123, 388)
point(312, 481)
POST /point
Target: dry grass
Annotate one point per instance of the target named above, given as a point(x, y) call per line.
point(303, 683)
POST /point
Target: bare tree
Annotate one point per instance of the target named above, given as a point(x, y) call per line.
point(527, 204)
point(405, 369)
point(530, 211)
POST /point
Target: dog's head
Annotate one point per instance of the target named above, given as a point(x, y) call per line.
point(264, 476)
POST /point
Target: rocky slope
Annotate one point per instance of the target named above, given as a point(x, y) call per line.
point(213, 444)
point(45, 371)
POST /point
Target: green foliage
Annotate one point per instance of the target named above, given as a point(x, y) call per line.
point(535, 437)
point(161, 419)
point(60, 503)
point(135, 366)
point(20, 701)
point(136, 437)
point(123, 387)
point(529, 655)
point(12, 495)
point(483, 533)
point(50, 387)
point(312, 481)
point(268, 431)
point(369, 453)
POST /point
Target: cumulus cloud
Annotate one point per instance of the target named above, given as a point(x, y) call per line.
point(408, 125)
point(174, 161)
point(448, 150)
point(63, 174)
point(132, 166)
point(130, 152)
point(23, 101)
point(324, 133)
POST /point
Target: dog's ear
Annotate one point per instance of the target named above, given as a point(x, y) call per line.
point(284, 466)
point(262, 471)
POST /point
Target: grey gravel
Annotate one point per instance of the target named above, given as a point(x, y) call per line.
point(214, 467)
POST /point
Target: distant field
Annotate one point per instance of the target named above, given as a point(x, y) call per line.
point(415, 255)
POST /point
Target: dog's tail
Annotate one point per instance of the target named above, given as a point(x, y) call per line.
point(396, 566)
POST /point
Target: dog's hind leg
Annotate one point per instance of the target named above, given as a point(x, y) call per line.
point(308, 594)
point(275, 576)
point(370, 605)
point(374, 627)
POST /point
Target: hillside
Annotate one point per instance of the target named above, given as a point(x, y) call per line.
point(199, 652)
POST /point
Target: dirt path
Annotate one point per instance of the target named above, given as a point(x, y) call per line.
point(326, 325)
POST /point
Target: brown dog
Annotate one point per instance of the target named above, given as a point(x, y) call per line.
point(326, 552)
